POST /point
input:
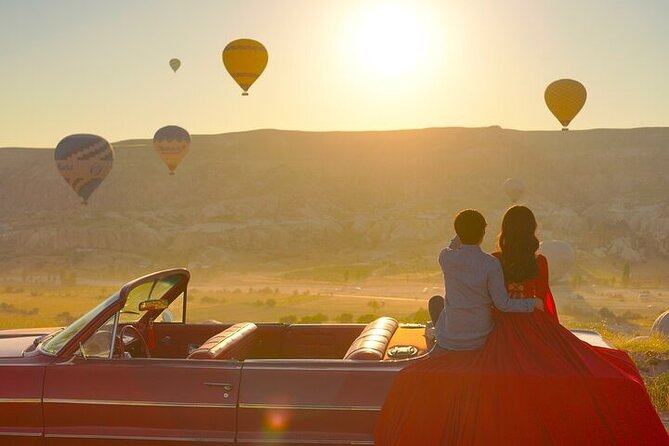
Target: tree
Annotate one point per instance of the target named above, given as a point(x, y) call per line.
point(366, 318)
point(375, 305)
point(344, 318)
point(625, 280)
point(288, 319)
point(317, 318)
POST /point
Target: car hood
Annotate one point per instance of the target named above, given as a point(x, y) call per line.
point(14, 342)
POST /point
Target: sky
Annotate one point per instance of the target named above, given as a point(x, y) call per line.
point(95, 66)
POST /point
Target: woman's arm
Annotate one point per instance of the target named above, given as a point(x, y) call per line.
point(500, 297)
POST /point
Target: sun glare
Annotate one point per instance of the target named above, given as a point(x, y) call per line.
point(390, 39)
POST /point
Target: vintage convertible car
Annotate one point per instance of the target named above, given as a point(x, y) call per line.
point(123, 375)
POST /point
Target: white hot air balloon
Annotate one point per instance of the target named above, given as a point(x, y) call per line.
point(661, 324)
point(560, 257)
point(514, 189)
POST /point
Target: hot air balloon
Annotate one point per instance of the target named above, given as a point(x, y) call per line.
point(84, 161)
point(245, 60)
point(172, 144)
point(565, 98)
point(560, 257)
point(514, 188)
point(661, 324)
point(175, 64)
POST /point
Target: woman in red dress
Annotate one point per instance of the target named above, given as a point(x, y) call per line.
point(533, 383)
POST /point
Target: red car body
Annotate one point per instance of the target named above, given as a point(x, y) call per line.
point(289, 385)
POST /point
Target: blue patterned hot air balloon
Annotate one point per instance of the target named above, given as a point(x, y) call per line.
point(84, 161)
point(175, 64)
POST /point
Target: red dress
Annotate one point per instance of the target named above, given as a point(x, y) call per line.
point(533, 383)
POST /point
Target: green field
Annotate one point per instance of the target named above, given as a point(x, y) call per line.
point(297, 297)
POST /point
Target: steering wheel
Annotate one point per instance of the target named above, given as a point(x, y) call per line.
point(137, 336)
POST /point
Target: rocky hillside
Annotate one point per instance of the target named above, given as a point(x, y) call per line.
point(272, 200)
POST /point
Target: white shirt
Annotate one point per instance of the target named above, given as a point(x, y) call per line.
point(473, 282)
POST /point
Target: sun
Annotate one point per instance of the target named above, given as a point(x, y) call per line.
point(390, 39)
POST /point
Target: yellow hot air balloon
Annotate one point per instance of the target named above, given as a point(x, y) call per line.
point(175, 64)
point(245, 60)
point(565, 98)
point(172, 144)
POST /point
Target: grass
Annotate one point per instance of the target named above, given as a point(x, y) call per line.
point(34, 305)
point(306, 306)
point(653, 344)
point(52, 304)
point(658, 389)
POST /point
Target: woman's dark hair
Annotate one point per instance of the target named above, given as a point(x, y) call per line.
point(518, 245)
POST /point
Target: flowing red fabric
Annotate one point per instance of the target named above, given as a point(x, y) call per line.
point(533, 383)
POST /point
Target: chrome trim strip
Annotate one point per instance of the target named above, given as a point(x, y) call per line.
point(302, 441)
point(184, 307)
point(137, 403)
point(19, 434)
point(20, 400)
point(114, 332)
point(309, 407)
point(10, 364)
point(140, 438)
point(47, 337)
point(326, 369)
point(193, 364)
point(44, 352)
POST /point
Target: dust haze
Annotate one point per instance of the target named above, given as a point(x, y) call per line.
point(308, 226)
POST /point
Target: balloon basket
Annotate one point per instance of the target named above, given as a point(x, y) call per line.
point(171, 173)
point(245, 94)
point(565, 129)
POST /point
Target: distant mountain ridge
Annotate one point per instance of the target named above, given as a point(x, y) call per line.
point(273, 199)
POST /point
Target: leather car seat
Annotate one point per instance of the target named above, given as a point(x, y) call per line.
point(373, 341)
point(232, 343)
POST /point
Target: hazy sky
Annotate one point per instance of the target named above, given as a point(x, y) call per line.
point(100, 66)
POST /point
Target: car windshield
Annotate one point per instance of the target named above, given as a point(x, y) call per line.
point(148, 291)
point(54, 344)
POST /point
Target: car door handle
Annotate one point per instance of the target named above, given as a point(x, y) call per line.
point(226, 386)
